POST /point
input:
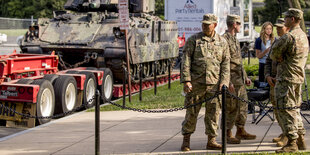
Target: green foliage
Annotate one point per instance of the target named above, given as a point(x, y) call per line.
point(28, 8)
point(160, 8)
point(271, 10)
point(307, 15)
point(252, 68)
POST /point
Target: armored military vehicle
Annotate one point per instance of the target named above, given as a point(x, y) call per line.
point(88, 34)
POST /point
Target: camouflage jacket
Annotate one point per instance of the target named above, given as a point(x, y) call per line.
point(270, 66)
point(291, 51)
point(206, 60)
point(237, 72)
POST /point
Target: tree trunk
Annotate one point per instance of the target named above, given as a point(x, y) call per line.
point(296, 4)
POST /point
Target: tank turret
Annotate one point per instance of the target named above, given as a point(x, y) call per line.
point(89, 35)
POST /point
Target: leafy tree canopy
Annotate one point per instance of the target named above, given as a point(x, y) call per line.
point(45, 8)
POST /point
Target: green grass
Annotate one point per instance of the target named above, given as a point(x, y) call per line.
point(308, 60)
point(308, 86)
point(253, 61)
point(14, 32)
point(165, 99)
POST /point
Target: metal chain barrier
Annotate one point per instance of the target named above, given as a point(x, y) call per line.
point(49, 117)
point(248, 102)
point(167, 110)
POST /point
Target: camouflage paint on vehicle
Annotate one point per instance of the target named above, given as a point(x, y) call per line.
point(89, 35)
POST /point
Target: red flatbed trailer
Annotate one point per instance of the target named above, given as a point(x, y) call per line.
point(32, 84)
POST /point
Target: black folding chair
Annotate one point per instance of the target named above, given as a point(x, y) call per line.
point(260, 97)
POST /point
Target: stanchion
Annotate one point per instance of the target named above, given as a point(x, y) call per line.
point(224, 138)
point(155, 78)
point(169, 74)
point(124, 89)
point(97, 124)
point(140, 83)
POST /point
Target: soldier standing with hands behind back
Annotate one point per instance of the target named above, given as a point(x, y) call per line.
point(236, 110)
point(291, 52)
point(205, 70)
point(270, 74)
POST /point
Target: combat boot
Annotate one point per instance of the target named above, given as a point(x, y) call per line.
point(186, 143)
point(291, 146)
point(277, 138)
point(283, 141)
point(231, 139)
point(212, 144)
point(301, 142)
point(242, 134)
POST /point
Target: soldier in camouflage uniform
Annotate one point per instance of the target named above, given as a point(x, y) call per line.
point(291, 52)
point(270, 74)
point(236, 109)
point(205, 70)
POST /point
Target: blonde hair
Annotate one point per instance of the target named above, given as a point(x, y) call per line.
point(262, 33)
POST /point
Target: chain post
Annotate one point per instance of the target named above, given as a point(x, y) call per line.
point(155, 78)
point(97, 124)
point(169, 74)
point(140, 82)
point(224, 136)
point(124, 88)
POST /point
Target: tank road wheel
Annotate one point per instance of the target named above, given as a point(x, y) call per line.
point(165, 67)
point(45, 100)
point(24, 81)
point(133, 71)
point(90, 86)
point(51, 77)
point(65, 94)
point(146, 69)
point(107, 85)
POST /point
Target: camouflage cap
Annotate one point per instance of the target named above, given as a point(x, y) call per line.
point(233, 18)
point(209, 19)
point(293, 12)
point(280, 22)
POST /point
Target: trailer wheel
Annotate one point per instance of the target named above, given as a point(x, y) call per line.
point(51, 78)
point(90, 87)
point(65, 94)
point(24, 81)
point(107, 85)
point(45, 100)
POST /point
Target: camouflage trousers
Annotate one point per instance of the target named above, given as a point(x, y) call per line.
point(212, 112)
point(289, 95)
point(237, 110)
point(274, 104)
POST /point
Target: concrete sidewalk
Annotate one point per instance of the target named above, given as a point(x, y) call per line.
point(127, 132)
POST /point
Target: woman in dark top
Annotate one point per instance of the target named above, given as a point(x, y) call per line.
point(262, 47)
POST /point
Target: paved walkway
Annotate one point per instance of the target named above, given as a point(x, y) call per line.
point(127, 132)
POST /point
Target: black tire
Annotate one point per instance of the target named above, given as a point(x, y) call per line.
point(51, 77)
point(106, 89)
point(65, 94)
point(90, 87)
point(72, 72)
point(44, 109)
point(24, 81)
